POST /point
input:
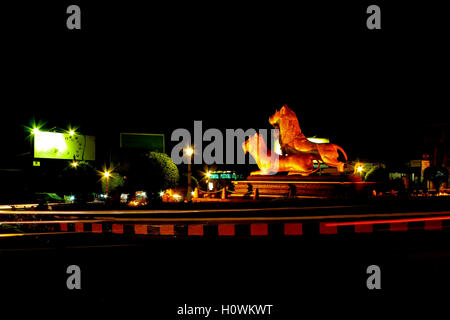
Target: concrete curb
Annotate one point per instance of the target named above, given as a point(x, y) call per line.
point(288, 229)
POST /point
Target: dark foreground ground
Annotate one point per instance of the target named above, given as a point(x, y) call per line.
point(303, 277)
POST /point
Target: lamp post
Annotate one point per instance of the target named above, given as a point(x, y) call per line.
point(189, 152)
point(34, 132)
point(106, 174)
point(359, 169)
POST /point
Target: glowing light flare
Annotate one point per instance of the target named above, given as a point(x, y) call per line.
point(189, 151)
point(34, 127)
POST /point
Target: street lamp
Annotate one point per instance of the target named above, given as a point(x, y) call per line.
point(189, 152)
point(106, 175)
point(359, 169)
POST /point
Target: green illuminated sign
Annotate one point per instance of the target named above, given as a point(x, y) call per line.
point(221, 175)
point(53, 145)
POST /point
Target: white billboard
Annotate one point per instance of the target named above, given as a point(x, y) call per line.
point(53, 145)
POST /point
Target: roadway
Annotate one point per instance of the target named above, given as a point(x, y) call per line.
point(309, 272)
point(389, 211)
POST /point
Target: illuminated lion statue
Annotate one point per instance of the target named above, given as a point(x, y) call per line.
point(293, 141)
point(269, 164)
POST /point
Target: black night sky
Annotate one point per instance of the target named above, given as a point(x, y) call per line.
point(157, 68)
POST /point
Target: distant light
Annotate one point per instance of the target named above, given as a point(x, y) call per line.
point(210, 186)
point(71, 132)
point(193, 193)
point(189, 151)
point(208, 174)
point(359, 168)
point(161, 193)
point(35, 130)
point(74, 164)
point(106, 174)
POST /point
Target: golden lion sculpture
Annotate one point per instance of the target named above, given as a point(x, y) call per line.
point(293, 141)
point(300, 163)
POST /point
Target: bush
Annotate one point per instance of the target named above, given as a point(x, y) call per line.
point(152, 172)
point(163, 172)
point(380, 176)
point(183, 181)
point(377, 174)
point(116, 182)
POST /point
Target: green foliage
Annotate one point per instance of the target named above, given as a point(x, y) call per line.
point(163, 171)
point(152, 172)
point(377, 174)
point(183, 181)
point(116, 181)
point(380, 176)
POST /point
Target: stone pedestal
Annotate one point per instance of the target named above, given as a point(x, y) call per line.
point(326, 187)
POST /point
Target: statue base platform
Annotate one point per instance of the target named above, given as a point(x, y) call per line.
point(324, 187)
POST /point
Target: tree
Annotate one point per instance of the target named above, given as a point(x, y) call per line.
point(81, 180)
point(437, 175)
point(116, 182)
point(184, 183)
point(377, 174)
point(152, 172)
point(380, 176)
